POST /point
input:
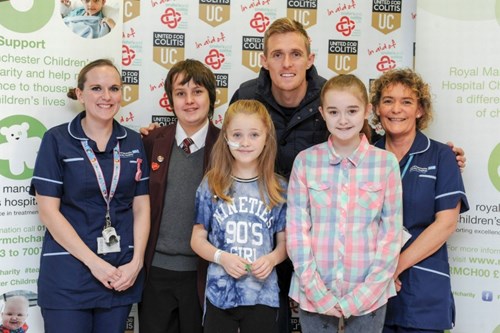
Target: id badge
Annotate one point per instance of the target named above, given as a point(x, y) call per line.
point(104, 248)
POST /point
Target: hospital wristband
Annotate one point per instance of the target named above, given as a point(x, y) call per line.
point(217, 256)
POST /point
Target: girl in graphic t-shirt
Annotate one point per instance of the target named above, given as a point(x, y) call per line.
point(240, 224)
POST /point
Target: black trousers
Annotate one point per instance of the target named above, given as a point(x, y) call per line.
point(170, 303)
point(284, 272)
point(243, 319)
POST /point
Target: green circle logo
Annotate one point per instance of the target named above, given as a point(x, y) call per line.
point(26, 21)
point(20, 138)
point(494, 167)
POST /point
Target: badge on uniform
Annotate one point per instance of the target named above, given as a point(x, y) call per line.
point(104, 248)
point(110, 241)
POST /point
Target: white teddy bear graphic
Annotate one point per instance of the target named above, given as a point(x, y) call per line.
point(19, 149)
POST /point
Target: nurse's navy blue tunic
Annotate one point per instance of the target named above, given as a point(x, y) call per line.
point(431, 183)
point(63, 171)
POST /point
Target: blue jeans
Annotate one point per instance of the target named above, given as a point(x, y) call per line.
point(317, 323)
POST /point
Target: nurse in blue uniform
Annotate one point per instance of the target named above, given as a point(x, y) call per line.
point(91, 185)
point(433, 197)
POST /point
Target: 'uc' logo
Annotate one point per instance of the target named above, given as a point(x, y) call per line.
point(26, 21)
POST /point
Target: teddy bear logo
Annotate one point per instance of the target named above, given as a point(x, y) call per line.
point(19, 149)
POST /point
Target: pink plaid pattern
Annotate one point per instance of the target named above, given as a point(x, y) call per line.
point(344, 227)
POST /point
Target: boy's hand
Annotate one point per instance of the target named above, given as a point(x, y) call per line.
point(145, 130)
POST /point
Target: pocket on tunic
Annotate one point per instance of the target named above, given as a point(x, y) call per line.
point(61, 269)
point(429, 282)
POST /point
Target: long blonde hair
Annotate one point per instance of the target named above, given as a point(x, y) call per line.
point(219, 173)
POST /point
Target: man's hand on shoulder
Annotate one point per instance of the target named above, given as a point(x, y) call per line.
point(460, 154)
point(145, 131)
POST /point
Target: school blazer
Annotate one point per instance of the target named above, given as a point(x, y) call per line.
point(160, 143)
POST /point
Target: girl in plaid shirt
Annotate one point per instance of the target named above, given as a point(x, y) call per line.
point(344, 219)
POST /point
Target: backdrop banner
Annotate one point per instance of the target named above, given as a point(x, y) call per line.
point(42, 50)
point(41, 53)
point(457, 52)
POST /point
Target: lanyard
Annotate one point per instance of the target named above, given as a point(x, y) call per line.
point(407, 164)
point(100, 177)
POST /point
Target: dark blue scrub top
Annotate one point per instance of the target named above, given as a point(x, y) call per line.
point(62, 170)
point(432, 183)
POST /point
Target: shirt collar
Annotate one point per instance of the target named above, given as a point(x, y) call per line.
point(198, 137)
point(355, 158)
point(420, 144)
point(76, 131)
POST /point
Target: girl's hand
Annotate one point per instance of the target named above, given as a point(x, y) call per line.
point(262, 267)
point(233, 264)
point(336, 311)
point(129, 275)
point(106, 273)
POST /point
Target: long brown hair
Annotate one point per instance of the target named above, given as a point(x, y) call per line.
point(219, 174)
point(351, 83)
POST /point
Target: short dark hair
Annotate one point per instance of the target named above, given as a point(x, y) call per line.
point(199, 73)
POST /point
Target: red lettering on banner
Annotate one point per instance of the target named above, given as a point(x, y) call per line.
point(156, 3)
point(342, 7)
point(211, 40)
point(129, 34)
point(219, 120)
point(153, 87)
point(383, 46)
point(128, 118)
point(254, 4)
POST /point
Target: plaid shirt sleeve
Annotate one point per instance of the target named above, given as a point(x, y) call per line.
point(299, 240)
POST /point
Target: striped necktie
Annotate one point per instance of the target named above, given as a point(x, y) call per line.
point(185, 145)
